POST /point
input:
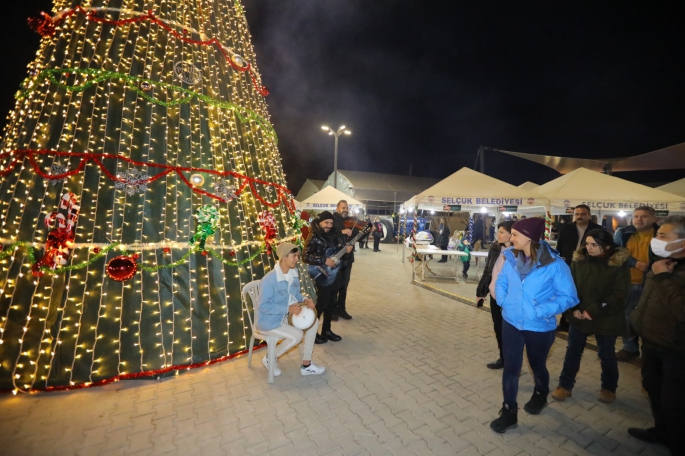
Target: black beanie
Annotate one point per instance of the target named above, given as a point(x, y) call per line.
point(325, 215)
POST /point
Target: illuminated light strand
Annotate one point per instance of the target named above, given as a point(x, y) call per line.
point(177, 368)
point(46, 27)
point(133, 82)
point(104, 251)
point(139, 246)
point(282, 192)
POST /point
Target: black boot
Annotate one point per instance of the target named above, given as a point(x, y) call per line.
point(499, 364)
point(344, 315)
point(536, 403)
point(333, 337)
point(649, 435)
point(508, 419)
point(320, 339)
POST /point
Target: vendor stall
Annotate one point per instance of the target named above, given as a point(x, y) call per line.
point(327, 200)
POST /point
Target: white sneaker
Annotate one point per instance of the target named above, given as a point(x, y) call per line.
point(312, 369)
point(277, 371)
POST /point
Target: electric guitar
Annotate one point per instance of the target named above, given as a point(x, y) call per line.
point(325, 275)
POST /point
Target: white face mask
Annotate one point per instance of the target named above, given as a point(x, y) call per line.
point(659, 247)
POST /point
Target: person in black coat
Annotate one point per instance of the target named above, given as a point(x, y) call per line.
point(443, 238)
point(572, 235)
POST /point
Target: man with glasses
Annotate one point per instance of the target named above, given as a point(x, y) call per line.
point(636, 238)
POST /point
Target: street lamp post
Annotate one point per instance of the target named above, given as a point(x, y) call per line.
point(336, 134)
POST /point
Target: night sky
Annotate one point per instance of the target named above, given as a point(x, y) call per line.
point(426, 83)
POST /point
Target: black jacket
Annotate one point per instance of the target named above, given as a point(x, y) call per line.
point(318, 242)
point(659, 317)
point(484, 284)
point(568, 239)
point(444, 237)
point(339, 225)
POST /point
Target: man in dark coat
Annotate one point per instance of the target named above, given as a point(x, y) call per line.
point(324, 237)
point(443, 238)
point(340, 296)
point(572, 235)
point(659, 319)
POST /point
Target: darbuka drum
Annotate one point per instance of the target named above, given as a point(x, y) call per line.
point(304, 320)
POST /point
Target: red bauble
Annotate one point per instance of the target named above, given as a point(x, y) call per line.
point(167, 250)
point(232, 253)
point(204, 252)
point(96, 250)
point(135, 256)
point(121, 268)
point(304, 215)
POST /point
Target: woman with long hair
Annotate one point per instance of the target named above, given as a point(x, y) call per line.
point(602, 278)
point(493, 266)
point(534, 286)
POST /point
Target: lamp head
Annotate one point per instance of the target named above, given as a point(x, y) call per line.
point(325, 128)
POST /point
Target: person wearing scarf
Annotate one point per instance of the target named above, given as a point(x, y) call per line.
point(534, 286)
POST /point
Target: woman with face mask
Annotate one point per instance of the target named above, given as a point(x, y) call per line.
point(602, 277)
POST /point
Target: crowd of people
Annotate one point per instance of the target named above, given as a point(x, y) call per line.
point(630, 285)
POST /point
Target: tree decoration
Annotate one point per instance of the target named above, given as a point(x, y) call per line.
point(121, 268)
point(94, 76)
point(132, 181)
point(284, 195)
point(45, 26)
point(224, 189)
point(207, 222)
point(299, 222)
point(57, 169)
point(548, 226)
point(71, 326)
point(187, 72)
point(59, 240)
point(197, 179)
point(239, 60)
point(268, 224)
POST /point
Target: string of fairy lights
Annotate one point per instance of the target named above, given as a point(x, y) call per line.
point(113, 94)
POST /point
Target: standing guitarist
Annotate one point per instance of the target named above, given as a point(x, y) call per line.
point(324, 237)
point(340, 295)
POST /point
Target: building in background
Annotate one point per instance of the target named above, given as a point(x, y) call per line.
point(309, 188)
point(382, 194)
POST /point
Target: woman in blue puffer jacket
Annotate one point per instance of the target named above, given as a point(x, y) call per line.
point(534, 286)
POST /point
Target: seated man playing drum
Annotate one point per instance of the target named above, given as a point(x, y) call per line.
point(280, 295)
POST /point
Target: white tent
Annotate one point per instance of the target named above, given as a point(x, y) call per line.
point(528, 185)
point(327, 199)
point(469, 190)
point(677, 187)
point(605, 194)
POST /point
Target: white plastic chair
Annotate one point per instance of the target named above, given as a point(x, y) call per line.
point(253, 290)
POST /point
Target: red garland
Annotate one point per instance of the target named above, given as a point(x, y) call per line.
point(281, 191)
point(45, 25)
point(154, 373)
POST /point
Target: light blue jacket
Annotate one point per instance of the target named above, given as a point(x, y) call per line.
point(274, 298)
point(533, 303)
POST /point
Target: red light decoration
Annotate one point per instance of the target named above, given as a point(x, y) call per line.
point(122, 268)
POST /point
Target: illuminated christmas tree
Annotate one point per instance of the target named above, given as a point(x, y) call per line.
point(142, 188)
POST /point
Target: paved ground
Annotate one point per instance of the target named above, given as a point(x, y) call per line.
point(408, 378)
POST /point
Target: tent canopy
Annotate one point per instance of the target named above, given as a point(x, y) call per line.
point(528, 185)
point(327, 199)
point(677, 187)
point(469, 190)
point(604, 193)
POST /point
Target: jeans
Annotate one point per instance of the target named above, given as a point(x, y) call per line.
point(630, 341)
point(663, 377)
point(376, 243)
point(496, 313)
point(465, 267)
point(574, 351)
point(537, 346)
